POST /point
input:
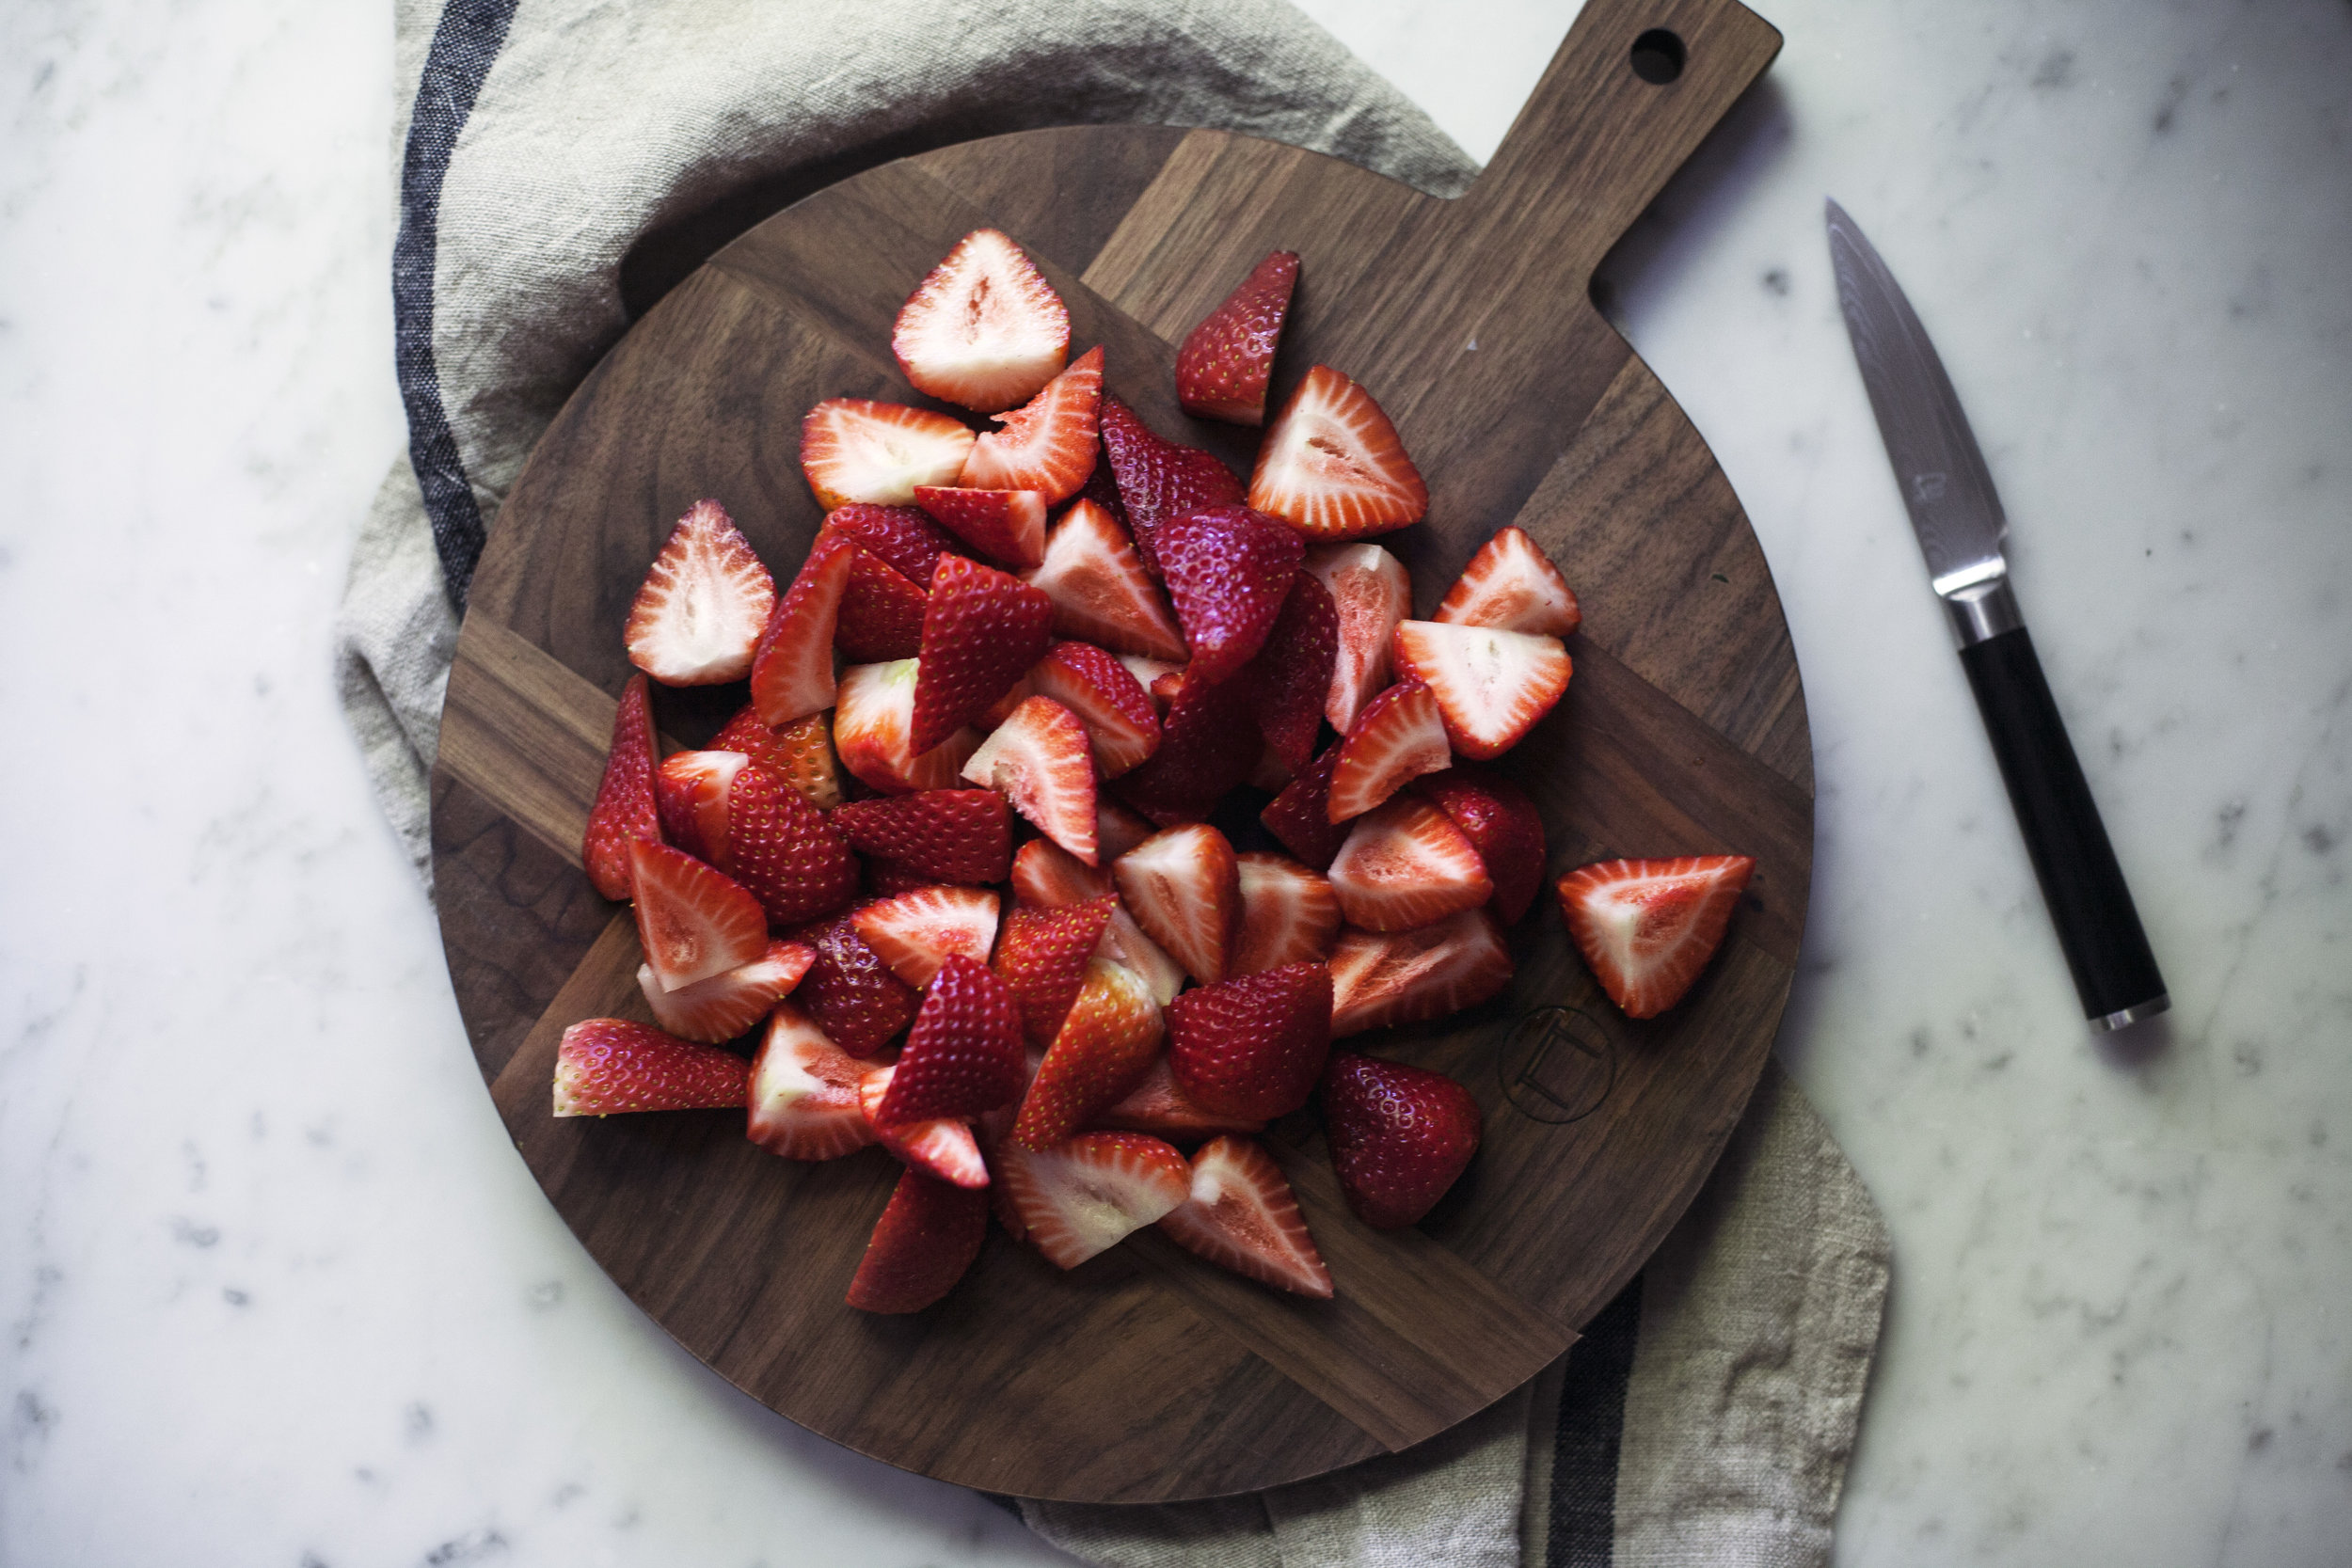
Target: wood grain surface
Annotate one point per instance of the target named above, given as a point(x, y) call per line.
point(1146, 1374)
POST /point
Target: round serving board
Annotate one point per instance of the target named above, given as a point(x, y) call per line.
point(1146, 1374)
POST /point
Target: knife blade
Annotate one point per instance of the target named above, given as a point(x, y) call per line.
point(1956, 514)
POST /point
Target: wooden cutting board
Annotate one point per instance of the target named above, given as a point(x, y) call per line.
point(1145, 1374)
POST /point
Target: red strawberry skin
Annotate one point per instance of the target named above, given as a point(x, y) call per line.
point(849, 992)
point(942, 835)
point(882, 612)
point(1229, 570)
point(1048, 445)
point(626, 807)
point(963, 1056)
point(784, 850)
point(1007, 526)
point(924, 1240)
point(1290, 677)
point(800, 753)
point(1208, 743)
point(1222, 370)
point(1121, 722)
point(1253, 1046)
point(1103, 1050)
point(905, 537)
point(1042, 955)
point(981, 632)
point(1502, 824)
point(1300, 817)
point(1157, 479)
point(609, 1064)
point(1400, 1136)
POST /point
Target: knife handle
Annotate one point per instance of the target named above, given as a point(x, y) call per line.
point(2114, 970)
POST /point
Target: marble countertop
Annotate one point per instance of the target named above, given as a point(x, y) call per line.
point(277, 1289)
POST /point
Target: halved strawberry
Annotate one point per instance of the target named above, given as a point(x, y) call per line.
point(963, 1056)
point(694, 922)
point(1399, 737)
point(1046, 875)
point(872, 723)
point(928, 1235)
point(981, 632)
point(1100, 589)
point(855, 452)
point(1502, 824)
point(1006, 526)
point(1289, 915)
point(800, 753)
point(784, 850)
point(626, 807)
point(943, 836)
point(725, 1006)
point(1400, 1136)
point(938, 1146)
point(1291, 677)
point(1183, 888)
point(849, 992)
point(903, 536)
point(792, 672)
point(1491, 686)
point(691, 794)
point(1110, 1036)
point(1157, 479)
point(916, 932)
point(1370, 590)
point(1222, 370)
point(703, 605)
point(1083, 1197)
point(1042, 955)
point(1038, 760)
point(1118, 829)
point(1331, 466)
point(1209, 743)
point(1048, 445)
point(1243, 1215)
point(1300, 815)
point(1406, 865)
point(1647, 928)
point(1159, 1105)
point(1406, 976)
point(1252, 1046)
point(803, 1091)
point(605, 1066)
point(1122, 726)
point(881, 616)
point(1228, 570)
point(983, 328)
point(1511, 585)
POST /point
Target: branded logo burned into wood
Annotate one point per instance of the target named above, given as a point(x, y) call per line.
point(1557, 1065)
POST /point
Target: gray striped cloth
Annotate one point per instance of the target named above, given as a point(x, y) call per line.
point(562, 162)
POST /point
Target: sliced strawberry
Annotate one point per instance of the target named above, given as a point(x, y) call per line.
point(1291, 677)
point(1042, 955)
point(1123, 943)
point(1118, 829)
point(1158, 1105)
point(872, 725)
point(1406, 866)
point(1101, 592)
point(945, 835)
point(1371, 592)
point(849, 992)
point(1399, 737)
point(1209, 743)
point(1300, 817)
point(1289, 915)
point(1222, 370)
point(608, 1065)
point(784, 850)
point(691, 794)
point(1228, 570)
point(881, 612)
point(1183, 888)
point(1157, 479)
point(1242, 1215)
point(703, 605)
point(963, 1056)
point(916, 932)
point(1331, 466)
point(1491, 686)
point(1048, 445)
point(1122, 725)
point(983, 329)
point(1647, 928)
point(1156, 676)
point(800, 753)
point(981, 632)
point(927, 1238)
point(1502, 824)
point(1511, 585)
point(804, 1092)
point(1038, 760)
point(855, 451)
point(942, 1145)
point(1006, 526)
point(726, 1005)
point(1083, 1197)
point(1252, 1046)
point(692, 921)
point(1406, 976)
point(792, 672)
point(1110, 1036)
point(903, 536)
point(1046, 875)
point(1400, 1136)
point(626, 807)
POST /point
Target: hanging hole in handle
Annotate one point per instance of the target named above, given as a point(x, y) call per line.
point(1657, 56)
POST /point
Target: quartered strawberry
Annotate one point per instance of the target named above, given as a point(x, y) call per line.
point(1109, 1036)
point(1400, 1136)
point(1371, 592)
point(1300, 815)
point(1222, 370)
point(941, 1147)
point(1502, 824)
point(608, 1065)
point(881, 616)
point(726, 1005)
point(1183, 888)
point(1289, 915)
point(1406, 976)
point(1101, 592)
point(916, 932)
point(1042, 955)
point(1511, 585)
point(849, 992)
point(703, 605)
point(1122, 725)
point(873, 725)
point(1491, 686)
point(626, 806)
point(1647, 928)
point(689, 791)
point(1038, 760)
point(1157, 479)
point(1158, 1105)
point(903, 536)
point(1400, 735)
point(981, 632)
point(1291, 677)
point(1252, 1046)
point(983, 329)
point(855, 451)
point(1046, 875)
point(1123, 943)
point(800, 753)
point(804, 1092)
point(1406, 865)
point(963, 1056)
point(1048, 444)
point(1118, 829)
point(784, 850)
point(1242, 1215)
point(1209, 743)
point(1331, 466)
point(943, 836)
point(694, 922)
point(1005, 706)
point(792, 672)
point(1083, 1197)
point(927, 1238)
point(1228, 571)
point(1006, 526)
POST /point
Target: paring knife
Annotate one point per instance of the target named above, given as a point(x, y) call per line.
point(1959, 521)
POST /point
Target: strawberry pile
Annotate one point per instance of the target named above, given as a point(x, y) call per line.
point(966, 861)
